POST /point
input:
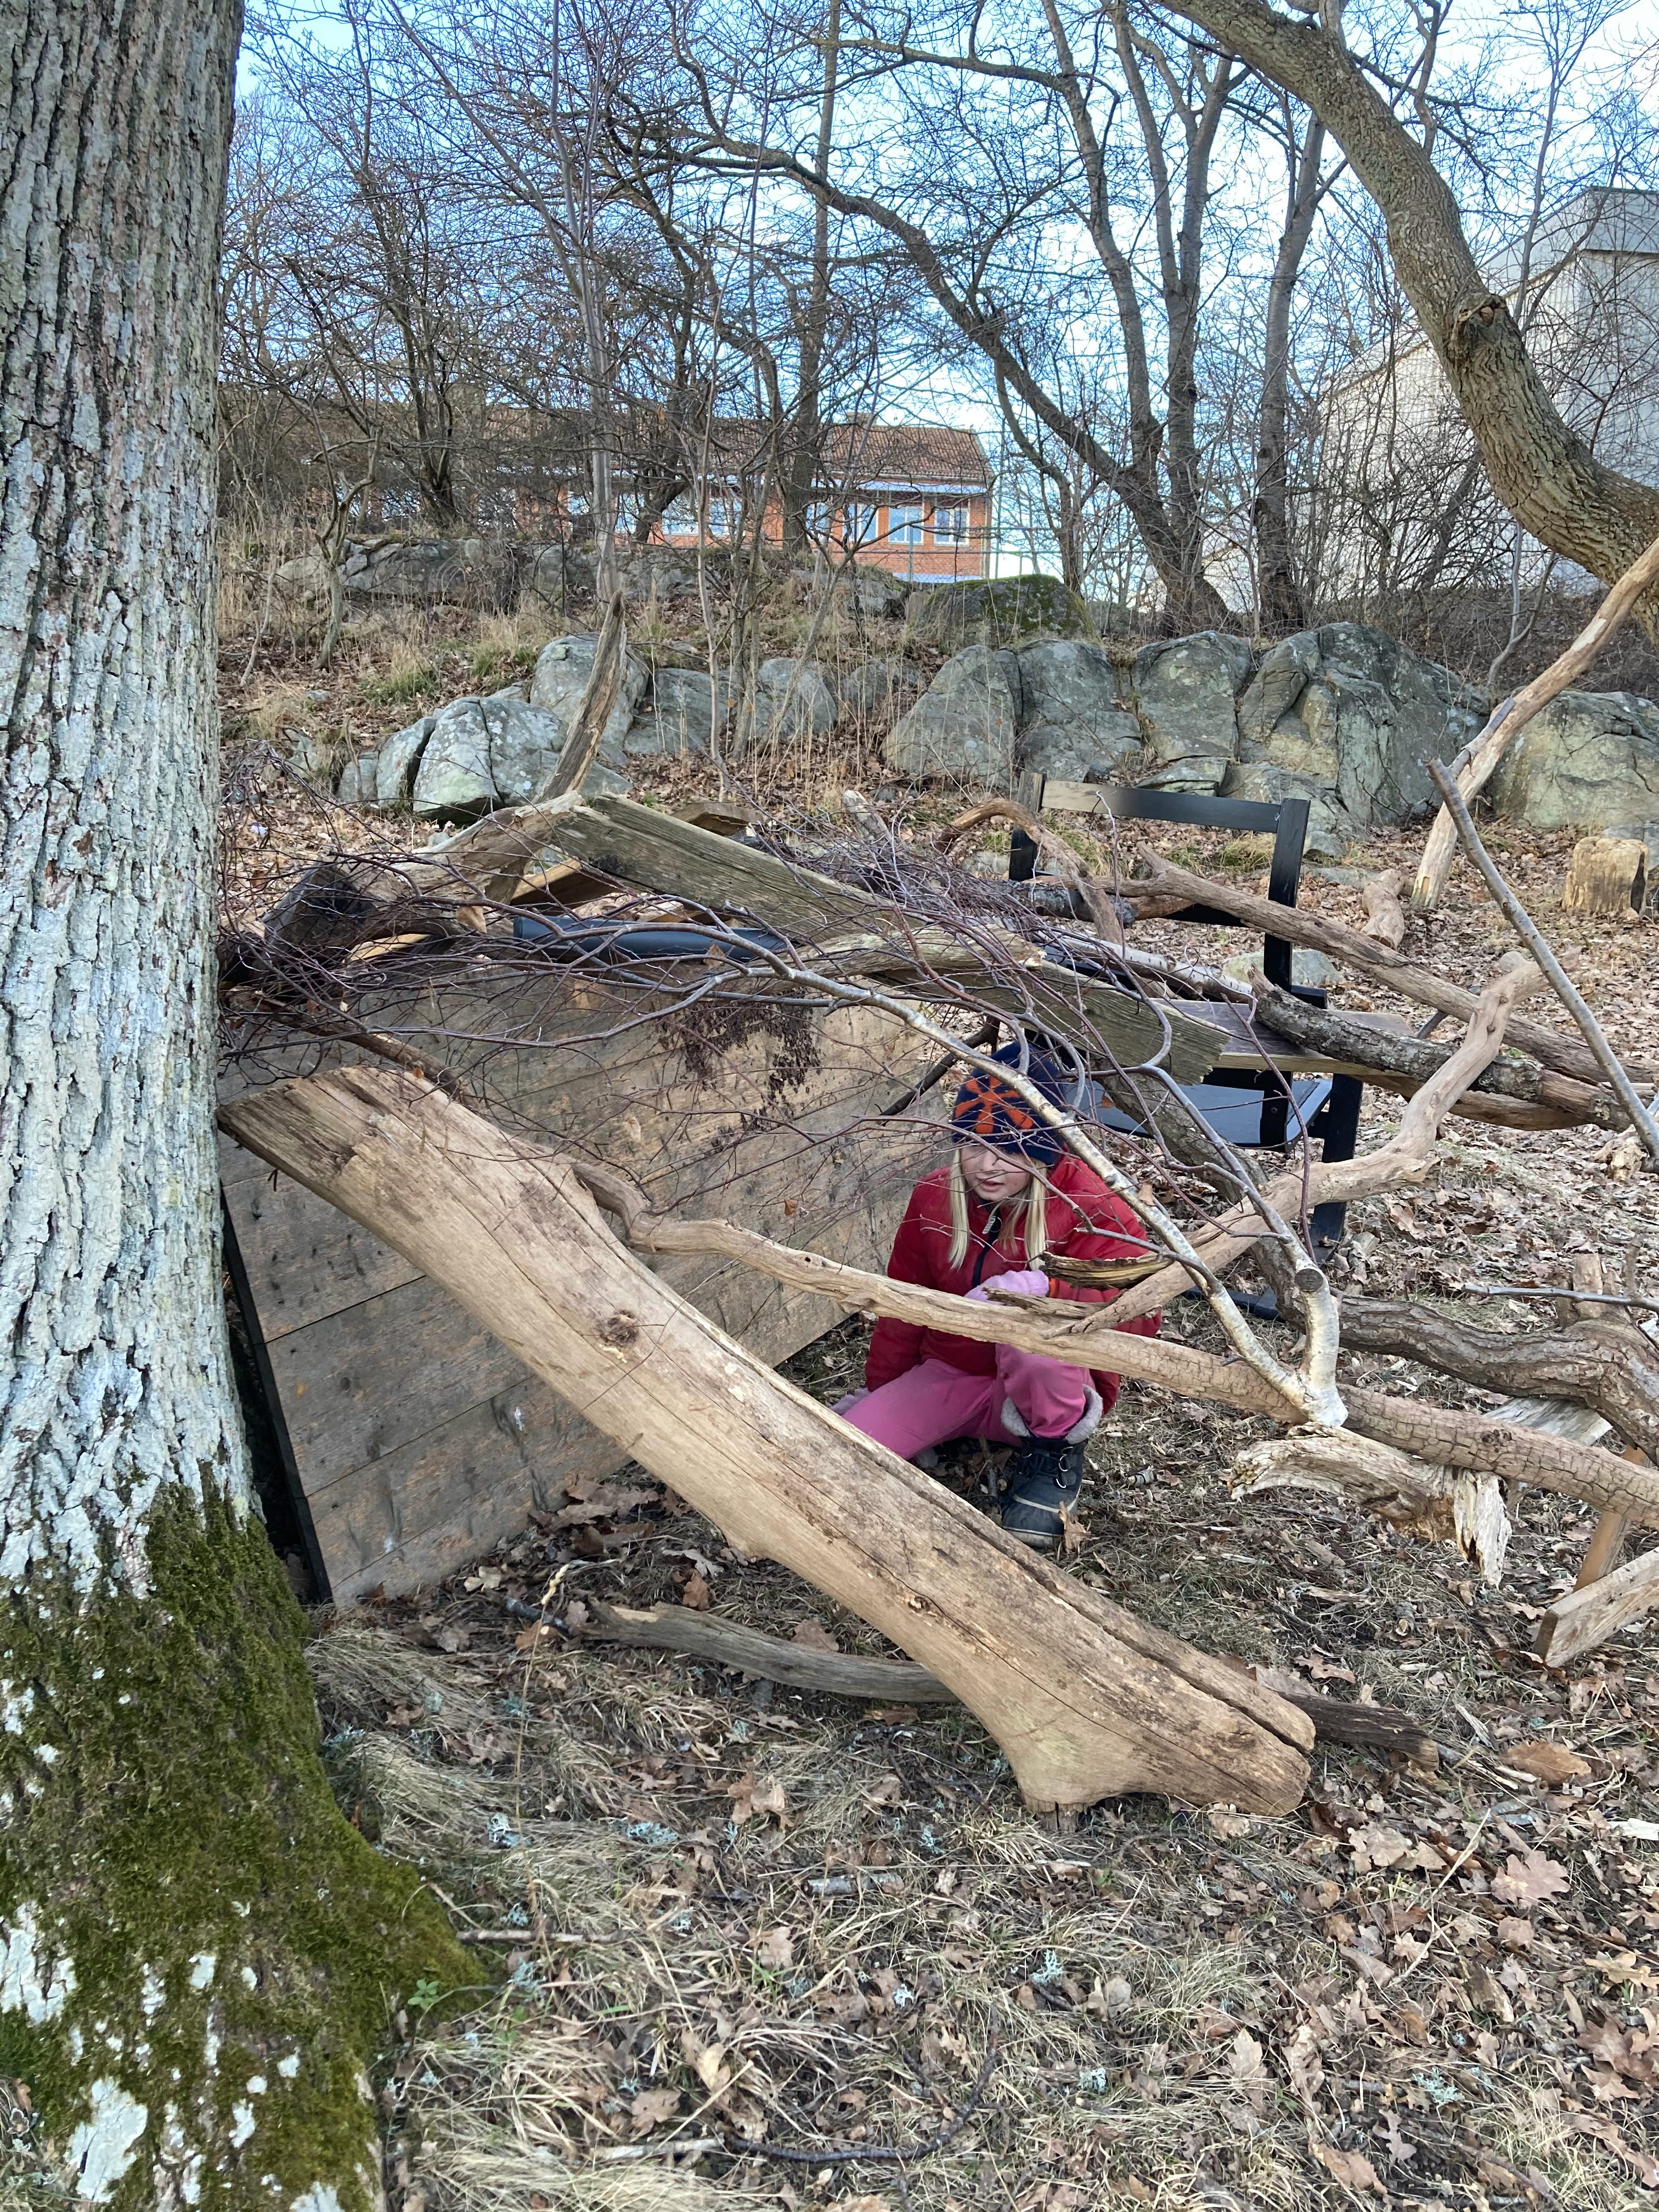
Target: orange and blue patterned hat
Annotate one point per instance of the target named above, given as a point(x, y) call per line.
point(989, 1111)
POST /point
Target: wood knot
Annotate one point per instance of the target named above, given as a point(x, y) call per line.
point(619, 1329)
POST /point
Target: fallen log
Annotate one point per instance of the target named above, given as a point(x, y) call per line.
point(1406, 1491)
point(1385, 917)
point(1377, 1054)
point(901, 1682)
point(1085, 1701)
point(1162, 880)
point(1611, 1369)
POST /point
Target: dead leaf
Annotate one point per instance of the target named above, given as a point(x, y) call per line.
point(695, 1593)
point(1546, 1762)
point(652, 2107)
point(1107, 2002)
point(1303, 2065)
point(1247, 2072)
point(575, 1614)
point(1377, 1846)
point(1513, 1935)
point(813, 1635)
point(1226, 1821)
point(776, 1947)
point(1530, 1878)
point(890, 1791)
point(705, 2060)
point(1351, 2167)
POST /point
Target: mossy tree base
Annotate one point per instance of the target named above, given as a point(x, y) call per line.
point(202, 1953)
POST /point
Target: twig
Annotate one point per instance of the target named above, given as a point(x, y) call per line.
point(1533, 937)
point(1576, 1297)
point(884, 2154)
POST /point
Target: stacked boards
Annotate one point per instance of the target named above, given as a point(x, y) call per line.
point(411, 1441)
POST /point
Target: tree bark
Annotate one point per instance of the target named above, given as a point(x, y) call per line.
point(1085, 1700)
point(1543, 472)
point(1279, 595)
point(196, 1943)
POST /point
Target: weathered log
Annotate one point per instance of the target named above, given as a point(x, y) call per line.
point(1385, 917)
point(1605, 875)
point(1583, 1618)
point(901, 1682)
point(1162, 880)
point(593, 710)
point(1611, 1367)
point(799, 1666)
point(1406, 1491)
point(1379, 1053)
point(1085, 1700)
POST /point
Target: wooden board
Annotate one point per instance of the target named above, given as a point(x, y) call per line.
point(418, 1440)
point(1582, 1619)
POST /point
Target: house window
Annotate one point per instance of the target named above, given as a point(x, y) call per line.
point(904, 524)
point(400, 505)
point(724, 517)
point(949, 525)
point(860, 524)
point(820, 521)
point(679, 520)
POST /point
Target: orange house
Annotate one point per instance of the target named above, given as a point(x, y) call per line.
point(912, 498)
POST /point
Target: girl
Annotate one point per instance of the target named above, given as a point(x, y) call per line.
point(1010, 1193)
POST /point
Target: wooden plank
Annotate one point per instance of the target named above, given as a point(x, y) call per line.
point(1582, 1619)
point(361, 1384)
point(443, 1498)
point(654, 851)
point(1061, 797)
point(305, 1260)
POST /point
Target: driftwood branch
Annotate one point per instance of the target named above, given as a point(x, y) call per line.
point(901, 1682)
point(1475, 766)
point(1554, 1101)
point(1390, 971)
point(1533, 937)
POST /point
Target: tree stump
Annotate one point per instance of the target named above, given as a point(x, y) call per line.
point(1607, 875)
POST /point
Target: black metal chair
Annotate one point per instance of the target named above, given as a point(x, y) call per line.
point(1253, 1109)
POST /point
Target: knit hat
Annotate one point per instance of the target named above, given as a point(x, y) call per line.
point(989, 1111)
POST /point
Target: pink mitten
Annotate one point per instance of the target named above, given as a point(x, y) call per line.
point(1023, 1282)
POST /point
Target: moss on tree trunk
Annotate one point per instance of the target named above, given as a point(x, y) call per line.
point(206, 1948)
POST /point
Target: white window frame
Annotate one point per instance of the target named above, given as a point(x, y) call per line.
point(905, 525)
point(949, 525)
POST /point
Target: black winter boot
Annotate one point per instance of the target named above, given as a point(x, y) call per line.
point(1043, 1490)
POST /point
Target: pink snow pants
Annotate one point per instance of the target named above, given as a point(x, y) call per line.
point(930, 1404)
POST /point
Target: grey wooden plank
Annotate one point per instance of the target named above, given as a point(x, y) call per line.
point(361, 1384)
point(305, 1258)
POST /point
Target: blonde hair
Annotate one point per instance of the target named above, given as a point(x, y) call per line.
point(1030, 1212)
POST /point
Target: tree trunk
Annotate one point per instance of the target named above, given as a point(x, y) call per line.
point(1542, 471)
point(1277, 593)
point(197, 1944)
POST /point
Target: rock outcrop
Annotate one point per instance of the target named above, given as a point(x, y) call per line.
point(1073, 725)
point(1589, 761)
point(998, 611)
point(965, 725)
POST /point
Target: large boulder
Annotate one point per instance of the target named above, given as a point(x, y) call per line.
point(877, 690)
point(1346, 715)
point(793, 699)
point(1073, 725)
point(356, 784)
point(400, 757)
point(463, 570)
point(965, 725)
point(997, 611)
point(1589, 761)
point(1185, 689)
point(559, 677)
point(680, 717)
point(553, 576)
point(484, 753)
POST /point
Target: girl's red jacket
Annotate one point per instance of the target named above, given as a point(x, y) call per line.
point(1084, 1222)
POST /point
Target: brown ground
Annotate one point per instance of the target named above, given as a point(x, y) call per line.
point(719, 1921)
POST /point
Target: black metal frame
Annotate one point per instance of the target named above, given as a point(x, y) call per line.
point(284, 1506)
point(1336, 1123)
